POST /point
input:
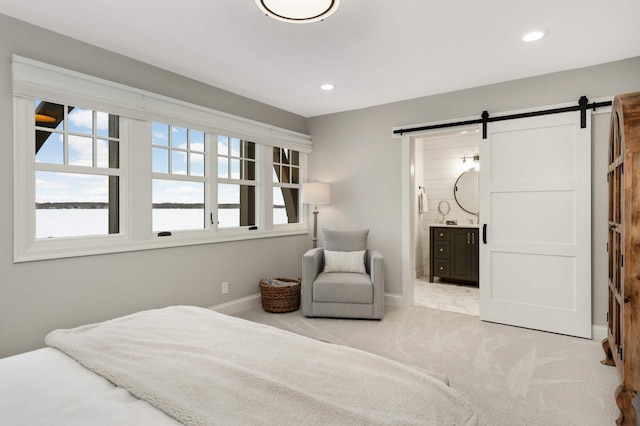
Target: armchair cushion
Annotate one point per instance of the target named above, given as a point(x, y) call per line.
point(345, 240)
point(343, 287)
point(344, 261)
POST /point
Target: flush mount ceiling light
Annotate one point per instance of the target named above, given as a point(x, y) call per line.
point(534, 35)
point(327, 87)
point(298, 11)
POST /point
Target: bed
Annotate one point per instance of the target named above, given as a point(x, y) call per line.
point(193, 366)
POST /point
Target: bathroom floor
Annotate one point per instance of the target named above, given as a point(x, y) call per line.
point(464, 299)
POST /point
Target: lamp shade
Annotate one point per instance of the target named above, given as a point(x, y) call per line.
point(316, 193)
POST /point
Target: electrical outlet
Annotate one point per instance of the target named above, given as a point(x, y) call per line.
point(225, 288)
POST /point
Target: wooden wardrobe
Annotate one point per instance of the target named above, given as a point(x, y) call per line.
point(622, 346)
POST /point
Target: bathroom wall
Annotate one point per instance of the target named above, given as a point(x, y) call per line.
point(441, 165)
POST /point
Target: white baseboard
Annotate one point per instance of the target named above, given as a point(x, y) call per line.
point(598, 332)
point(392, 299)
point(255, 301)
point(239, 305)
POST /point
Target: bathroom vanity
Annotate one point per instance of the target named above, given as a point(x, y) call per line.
point(454, 253)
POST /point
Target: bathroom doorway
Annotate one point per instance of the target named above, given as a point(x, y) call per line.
point(443, 162)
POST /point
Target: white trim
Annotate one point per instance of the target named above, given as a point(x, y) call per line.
point(598, 332)
point(37, 80)
point(393, 299)
point(238, 305)
point(43, 250)
point(408, 243)
point(136, 108)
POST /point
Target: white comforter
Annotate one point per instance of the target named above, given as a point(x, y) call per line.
point(202, 367)
point(46, 387)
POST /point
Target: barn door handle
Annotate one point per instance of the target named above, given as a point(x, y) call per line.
point(484, 233)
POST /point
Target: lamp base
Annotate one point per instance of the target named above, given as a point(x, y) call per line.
point(314, 239)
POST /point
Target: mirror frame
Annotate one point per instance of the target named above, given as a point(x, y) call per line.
point(455, 191)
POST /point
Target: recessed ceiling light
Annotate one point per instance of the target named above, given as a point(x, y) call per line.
point(534, 35)
point(297, 11)
point(327, 87)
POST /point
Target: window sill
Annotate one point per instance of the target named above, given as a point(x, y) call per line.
point(47, 250)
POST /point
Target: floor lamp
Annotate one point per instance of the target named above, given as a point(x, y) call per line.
point(316, 193)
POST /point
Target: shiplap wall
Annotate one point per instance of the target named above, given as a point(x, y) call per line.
point(441, 166)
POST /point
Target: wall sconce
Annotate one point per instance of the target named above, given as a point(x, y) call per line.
point(475, 158)
point(316, 193)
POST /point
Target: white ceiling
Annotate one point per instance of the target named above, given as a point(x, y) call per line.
point(373, 51)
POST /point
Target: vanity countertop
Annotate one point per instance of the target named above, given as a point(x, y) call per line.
point(459, 225)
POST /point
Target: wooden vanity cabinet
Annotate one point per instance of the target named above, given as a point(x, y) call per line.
point(622, 345)
point(454, 254)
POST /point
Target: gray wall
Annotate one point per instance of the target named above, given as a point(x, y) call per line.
point(352, 150)
point(355, 152)
point(37, 297)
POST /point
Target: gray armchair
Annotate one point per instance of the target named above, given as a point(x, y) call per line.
point(346, 283)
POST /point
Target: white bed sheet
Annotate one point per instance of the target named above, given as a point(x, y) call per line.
point(46, 387)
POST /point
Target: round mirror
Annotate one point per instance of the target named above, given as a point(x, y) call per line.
point(465, 191)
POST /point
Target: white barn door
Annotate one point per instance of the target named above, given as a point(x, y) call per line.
point(535, 201)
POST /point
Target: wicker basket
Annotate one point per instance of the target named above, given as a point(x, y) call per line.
point(281, 298)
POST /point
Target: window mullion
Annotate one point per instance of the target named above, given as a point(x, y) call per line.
point(266, 184)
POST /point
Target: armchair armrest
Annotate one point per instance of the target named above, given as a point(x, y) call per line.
point(312, 265)
point(375, 266)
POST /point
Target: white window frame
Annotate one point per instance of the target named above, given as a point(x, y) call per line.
point(137, 110)
point(298, 186)
point(256, 183)
point(189, 177)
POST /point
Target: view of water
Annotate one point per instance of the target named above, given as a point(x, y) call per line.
point(83, 222)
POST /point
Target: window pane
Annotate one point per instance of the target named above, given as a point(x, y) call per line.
point(80, 151)
point(286, 167)
point(197, 164)
point(49, 115)
point(73, 205)
point(160, 160)
point(49, 147)
point(249, 150)
point(107, 125)
point(223, 145)
point(295, 158)
point(248, 170)
point(235, 147)
point(80, 120)
point(223, 167)
point(102, 124)
point(160, 134)
point(178, 205)
point(178, 137)
point(285, 205)
point(236, 205)
point(178, 162)
point(235, 169)
point(196, 140)
point(102, 153)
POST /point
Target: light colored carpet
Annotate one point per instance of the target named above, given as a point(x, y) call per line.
point(513, 376)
